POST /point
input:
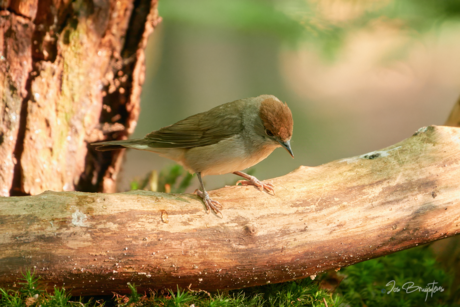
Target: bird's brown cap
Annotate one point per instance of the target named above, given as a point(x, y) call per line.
point(277, 118)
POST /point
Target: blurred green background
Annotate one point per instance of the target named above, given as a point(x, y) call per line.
point(357, 75)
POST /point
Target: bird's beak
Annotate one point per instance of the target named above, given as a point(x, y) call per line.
point(287, 146)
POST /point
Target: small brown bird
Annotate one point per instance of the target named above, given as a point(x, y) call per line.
point(226, 139)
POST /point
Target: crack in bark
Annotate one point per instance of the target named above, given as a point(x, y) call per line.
point(105, 164)
point(16, 187)
point(10, 10)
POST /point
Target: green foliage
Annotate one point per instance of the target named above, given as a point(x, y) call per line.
point(366, 282)
point(135, 185)
point(175, 177)
point(59, 299)
point(297, 21)
point(244, 15)
point(11, 298)
point(30, 286)
point(421, 14)
point(301, 293)
point(171, 177)
point(134, 297)
point(304, 292)
point(180, 299)
point(30, 293)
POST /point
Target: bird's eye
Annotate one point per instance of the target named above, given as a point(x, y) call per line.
point(268, 132)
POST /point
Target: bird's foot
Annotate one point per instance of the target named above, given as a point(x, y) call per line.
point(257, 183)
point(210, 204)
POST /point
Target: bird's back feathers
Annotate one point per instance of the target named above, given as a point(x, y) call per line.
point(198, 130)
point(201, 129)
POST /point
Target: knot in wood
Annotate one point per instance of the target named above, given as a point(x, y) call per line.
point(250, 229)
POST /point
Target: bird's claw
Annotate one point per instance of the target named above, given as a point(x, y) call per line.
point(258, 184)
point(210, 204)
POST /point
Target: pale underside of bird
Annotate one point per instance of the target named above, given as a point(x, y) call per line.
point(226, 139)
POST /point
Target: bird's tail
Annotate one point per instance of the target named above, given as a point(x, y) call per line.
point(114, 145)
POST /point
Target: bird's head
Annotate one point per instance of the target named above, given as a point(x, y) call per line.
point(277, 120)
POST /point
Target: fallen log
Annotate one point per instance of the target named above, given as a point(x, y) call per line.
point(324, 217)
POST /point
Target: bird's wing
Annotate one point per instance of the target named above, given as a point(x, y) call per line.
point(201, 129)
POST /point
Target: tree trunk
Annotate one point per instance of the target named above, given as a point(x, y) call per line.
point(71, 74)
point(321, 218)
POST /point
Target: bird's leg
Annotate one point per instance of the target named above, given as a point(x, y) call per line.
point(210, 204)
point(251, 180)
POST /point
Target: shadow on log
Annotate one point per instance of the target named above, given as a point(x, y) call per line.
point(321, 218)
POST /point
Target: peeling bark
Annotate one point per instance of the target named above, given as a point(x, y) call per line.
point(321, 218)
point(71, 74)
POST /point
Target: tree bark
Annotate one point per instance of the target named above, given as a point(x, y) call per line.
point(321, 218)
point(71, 74)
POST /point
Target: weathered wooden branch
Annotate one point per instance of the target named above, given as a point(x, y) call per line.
point(322, 217)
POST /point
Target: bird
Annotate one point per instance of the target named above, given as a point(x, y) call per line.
point(228, 138)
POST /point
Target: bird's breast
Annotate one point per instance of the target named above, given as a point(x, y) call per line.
point(227, 156)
